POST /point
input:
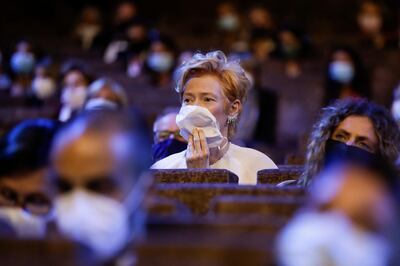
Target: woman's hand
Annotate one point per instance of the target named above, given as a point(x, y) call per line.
point(197, 153)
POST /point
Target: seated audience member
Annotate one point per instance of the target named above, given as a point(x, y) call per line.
point(89, 27)
point(351, 213)
point(212, 91)
point(167, 138)
point(25, 189)
point(22, 63)
point(96, 161)
point(351, 122)
point(346, 76)
point(105, 93)
point(75, 80)
point(372, 19)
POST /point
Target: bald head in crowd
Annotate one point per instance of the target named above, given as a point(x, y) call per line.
point(97, 160)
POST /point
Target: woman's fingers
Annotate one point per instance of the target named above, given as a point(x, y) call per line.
point(197, 155)
point(197, 141)
point(203, 142)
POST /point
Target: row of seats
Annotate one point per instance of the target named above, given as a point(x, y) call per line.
point(267, 176)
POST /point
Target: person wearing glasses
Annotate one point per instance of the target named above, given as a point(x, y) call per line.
point(96, 162)
point(25, 188)
point(166, 134)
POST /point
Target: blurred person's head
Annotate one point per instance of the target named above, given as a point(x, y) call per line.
point(261, 18)
point(227, 17)
point(125, 11)
point(97, 161)
point(75, 80)
point(213, 82)
point(43, 86)
point(345, 69)
point(370, 18)
point(26, 191)
point(365, 192)
point(352, 122)
point(262, 45)
point(23, 60)
point(90, 15)
point(105, 93)
point(166, 135)
point(161, 57)
point(292, 43)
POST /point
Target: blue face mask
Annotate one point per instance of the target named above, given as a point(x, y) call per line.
point(167, 147)
point(341, 72)
point(160, 62)
point(22, 62)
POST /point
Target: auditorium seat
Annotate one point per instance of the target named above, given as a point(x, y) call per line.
point(269, 205)
point(197, 197)
point(276, 176)
point(18, 252)
point(194, 176)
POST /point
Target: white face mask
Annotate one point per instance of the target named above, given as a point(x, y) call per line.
point(161, 61)
point(192, 116)
point(98, 221)
point(341, 71)
point(396, 110)
point(100, 104)
point(74, 98)
point(43, 88)
point(24, 224)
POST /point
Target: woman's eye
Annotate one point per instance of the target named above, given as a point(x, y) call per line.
point(208, 99)
point(365, 146)
point(339, 137)
point(186, 100)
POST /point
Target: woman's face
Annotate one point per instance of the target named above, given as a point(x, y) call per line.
point(206, 91)
point(357, 131)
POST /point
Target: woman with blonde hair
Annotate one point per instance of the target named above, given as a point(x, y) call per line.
point(212, 90)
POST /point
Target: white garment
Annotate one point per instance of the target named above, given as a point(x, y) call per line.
point(244, 162)
point(318, 239)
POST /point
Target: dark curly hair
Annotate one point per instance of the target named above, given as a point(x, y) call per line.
point(385, 127)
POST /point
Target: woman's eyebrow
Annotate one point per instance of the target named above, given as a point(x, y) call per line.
point(342, 131)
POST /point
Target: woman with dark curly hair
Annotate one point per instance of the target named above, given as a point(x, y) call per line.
point(354, 122)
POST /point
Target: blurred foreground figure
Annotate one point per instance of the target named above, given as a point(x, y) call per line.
point(351, 210)
point(97, 162)
point(25, 189)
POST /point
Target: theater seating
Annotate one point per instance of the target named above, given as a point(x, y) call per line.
point(194, 176)
point(276, 176)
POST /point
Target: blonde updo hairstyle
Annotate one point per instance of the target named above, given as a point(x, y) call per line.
point(230, 73)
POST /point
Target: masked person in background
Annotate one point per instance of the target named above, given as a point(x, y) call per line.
point(212, 91)
point(73, 95)
point(22, 63)
point(167, 138)
point(105, 94)
point(161, 60)
point(351, 122)
point(345, 76)
point(25, 188)
point(43, 85)
point(97, 161)
point(351, 210)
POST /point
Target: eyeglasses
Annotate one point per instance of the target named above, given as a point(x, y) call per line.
point(166, 134)
point(35, 203)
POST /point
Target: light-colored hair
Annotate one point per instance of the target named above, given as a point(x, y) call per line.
point(386, 130)
point(115, 87)
point(230, 73)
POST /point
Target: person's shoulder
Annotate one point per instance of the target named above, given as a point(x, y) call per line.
point(176, 160)
point(253, 156)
